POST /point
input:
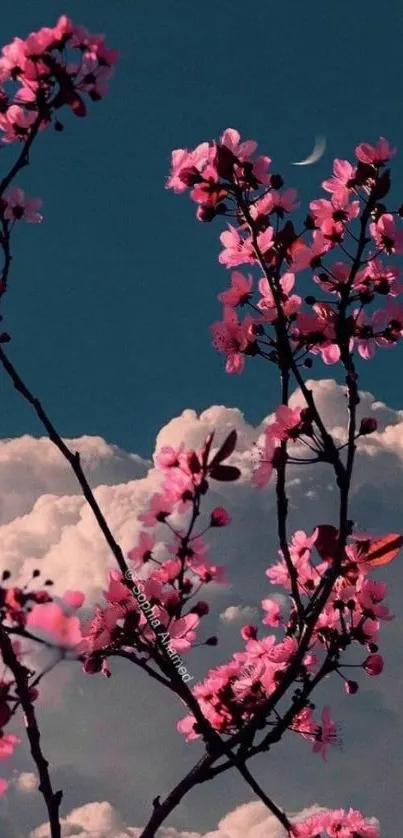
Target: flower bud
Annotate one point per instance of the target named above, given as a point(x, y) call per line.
point(368, 425)
point(276, 181)
point(211, 641)
point(201, 608)
point(92, 665)
point(219, 517)
point(373, 665)
point(105, 669)
point(351, 687)
point(205, 213)
point(187, 586)
point(310, 222)
point(249, 632)
point(33, 693)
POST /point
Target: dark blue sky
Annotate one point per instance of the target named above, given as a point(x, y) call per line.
point(111, 297)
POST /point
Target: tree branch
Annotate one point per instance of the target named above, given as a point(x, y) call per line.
point(52, 799)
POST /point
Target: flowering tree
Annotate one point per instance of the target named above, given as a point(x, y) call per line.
point(151, 615)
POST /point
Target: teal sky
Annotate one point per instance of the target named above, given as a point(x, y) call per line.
point(111, 297)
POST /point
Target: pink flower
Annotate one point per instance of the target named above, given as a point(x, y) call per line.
point(316, 331)
point(182, 159)
point(186, 727)
point(243, 151)
point(231, 138)
point(209, 572)
point(337, 277)
point(275, 201)
point(286, 423)
point(168, 457)
point(343, 177)
point(141, 552)
point(337, 210)
point(385, 234)
point(196, 549)
point(326, 734)
point(273, 616)
point(169, 571)
point(375, 155)
point(159, 508)
point(182, 631)
point(74, 599)
point(378, 278)
point(16, 123)
point(232, 338)
point(303, 255)
point(64, 630)
point(289, 304)
point(237, 251)
point(266, 452)
point(97, 631)
point(265, 240)
point(210, 191)
point(7, 744)
point(13, 58)
point(367, 332)
point(341, 824)
point(18, 206)
point(239, 293)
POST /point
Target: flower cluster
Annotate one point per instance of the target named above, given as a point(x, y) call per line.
point(52, 67)
point(233, 692)
point(229, 181)
point(336, 823)
point(170, 584)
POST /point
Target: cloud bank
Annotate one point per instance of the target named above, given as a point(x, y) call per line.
point(127, 721)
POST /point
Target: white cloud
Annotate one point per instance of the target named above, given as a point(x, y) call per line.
point(100, 820)
point(57, 533)
point(238, 614)
point(26, 782)
point(32, 467)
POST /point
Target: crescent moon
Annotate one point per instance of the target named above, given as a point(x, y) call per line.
point(318, 150)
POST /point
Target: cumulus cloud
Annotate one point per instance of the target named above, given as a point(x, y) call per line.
point(101, 820)
point(45, 523)
point(32, 467)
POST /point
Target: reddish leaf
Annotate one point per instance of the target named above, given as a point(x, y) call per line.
point(206, 448)
point(193, 462)
point(382, 185)
point(226, 449)
point(225, 473)
point(326, 542)
point(77, 105)
point(384, 550)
